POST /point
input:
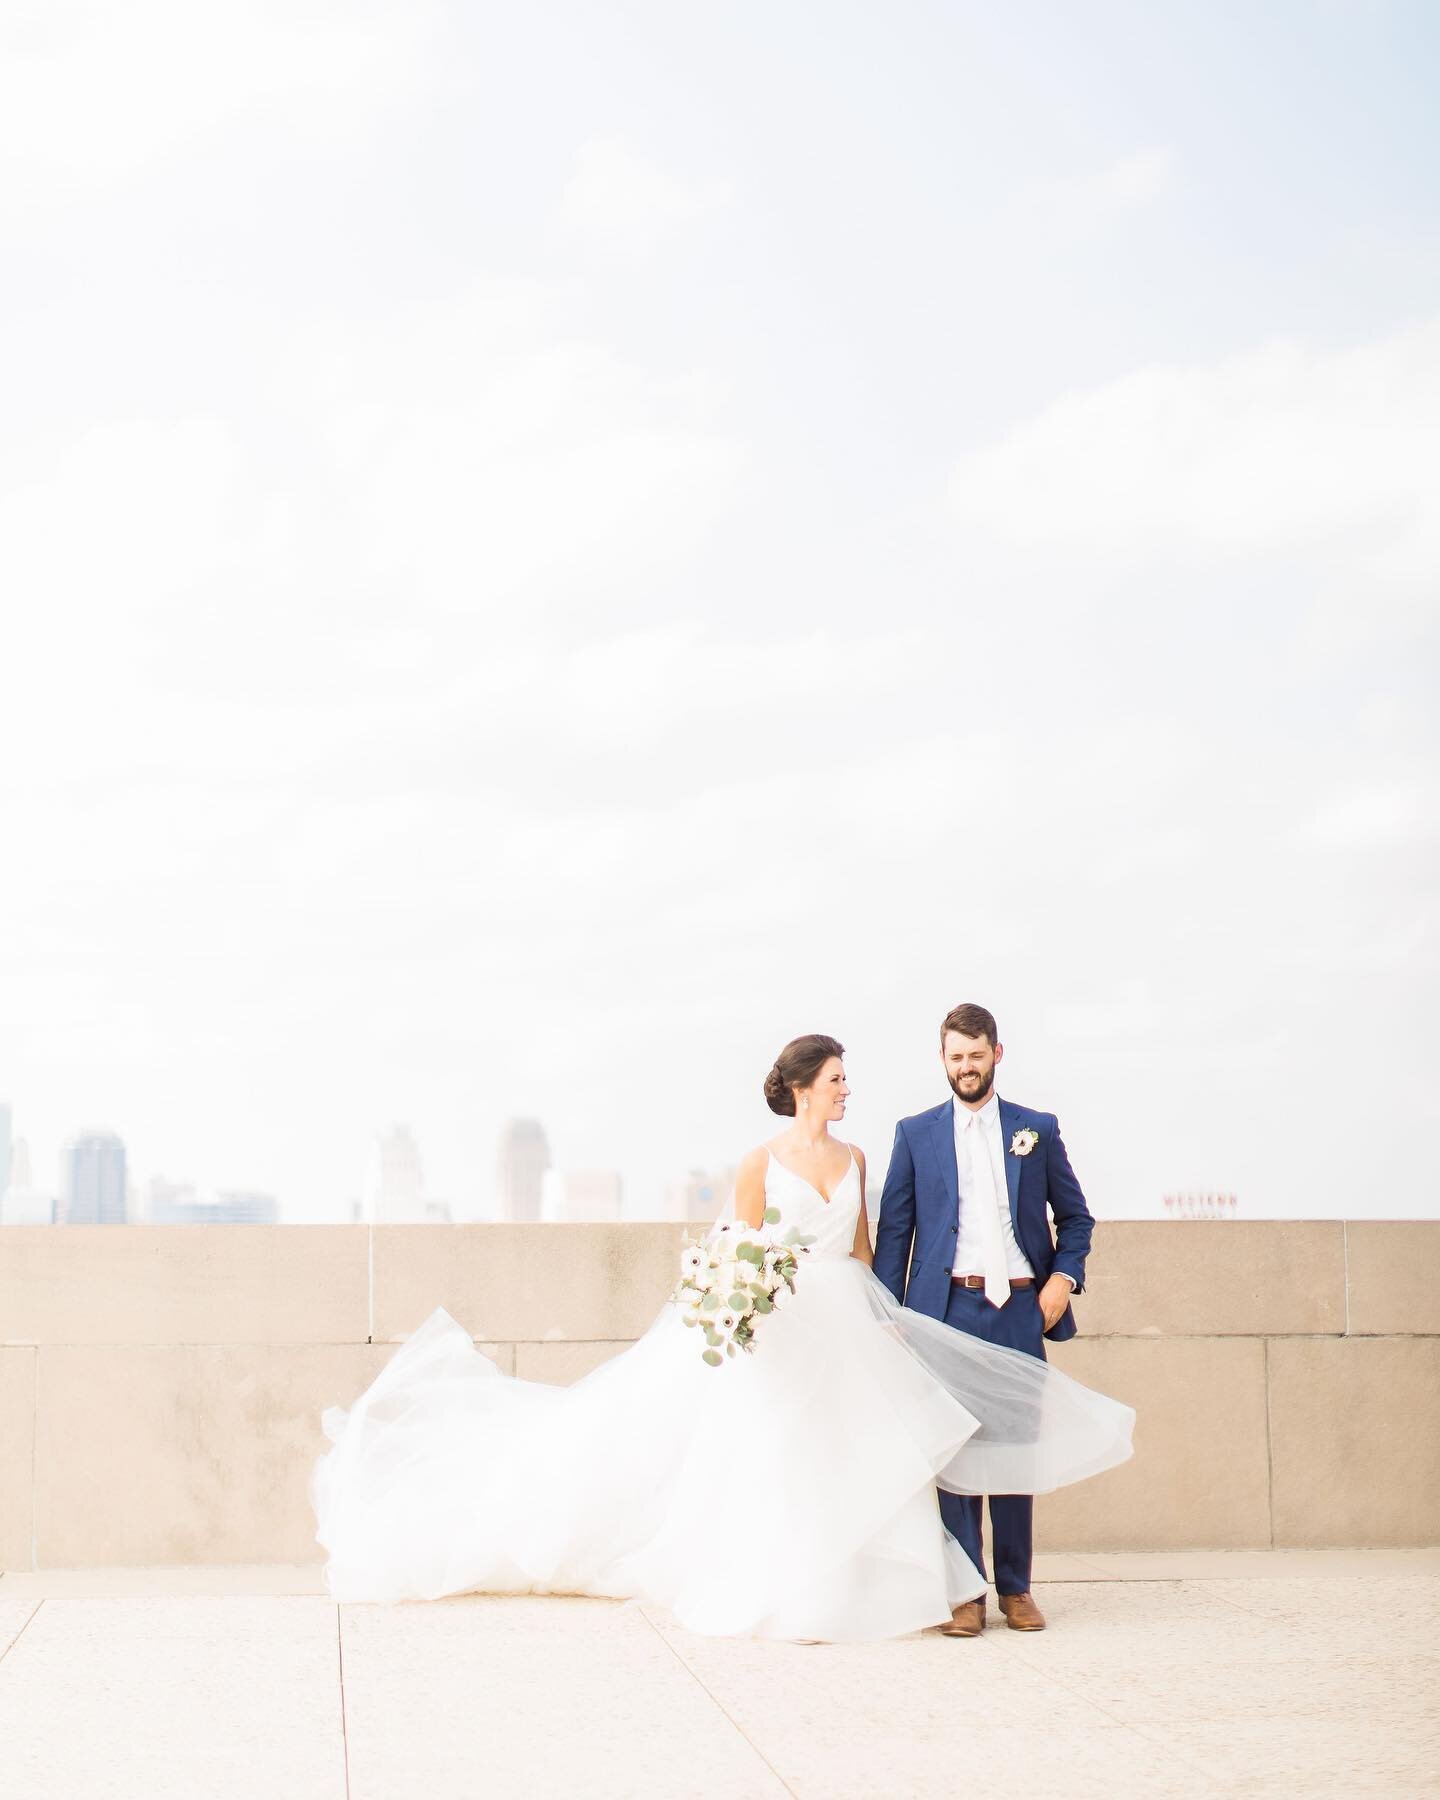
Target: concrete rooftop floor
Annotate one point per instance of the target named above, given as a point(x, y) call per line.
point(1197, 1673)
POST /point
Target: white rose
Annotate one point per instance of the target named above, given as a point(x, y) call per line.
point(781, 1297)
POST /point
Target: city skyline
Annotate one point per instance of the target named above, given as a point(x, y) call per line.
point(528, 1187)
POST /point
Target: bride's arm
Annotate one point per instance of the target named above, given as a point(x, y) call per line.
point(861, 1250)
point(750, 1188)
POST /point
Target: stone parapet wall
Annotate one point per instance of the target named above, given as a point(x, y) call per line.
point(161, 1386)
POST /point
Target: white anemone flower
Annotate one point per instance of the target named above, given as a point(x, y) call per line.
point(727, 1320)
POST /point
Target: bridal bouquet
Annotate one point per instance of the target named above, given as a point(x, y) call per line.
point(734, 1276)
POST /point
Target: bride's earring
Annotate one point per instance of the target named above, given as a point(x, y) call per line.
point(804, 1105)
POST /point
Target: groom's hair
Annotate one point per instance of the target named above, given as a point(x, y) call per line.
point(970, 1021)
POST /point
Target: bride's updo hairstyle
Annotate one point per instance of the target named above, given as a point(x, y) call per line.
point(796, 1066)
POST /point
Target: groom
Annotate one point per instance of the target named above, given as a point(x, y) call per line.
point(963, 1210)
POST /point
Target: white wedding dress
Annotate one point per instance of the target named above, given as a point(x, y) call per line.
point(789, 1493)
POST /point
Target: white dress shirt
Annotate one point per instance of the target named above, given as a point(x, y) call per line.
point(969, 1245)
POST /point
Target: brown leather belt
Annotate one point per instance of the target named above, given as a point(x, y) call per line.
point(979, 1281)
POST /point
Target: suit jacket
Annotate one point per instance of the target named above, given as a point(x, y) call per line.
point(920, 1208)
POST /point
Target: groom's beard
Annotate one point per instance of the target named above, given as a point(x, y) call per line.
point(974, 1090)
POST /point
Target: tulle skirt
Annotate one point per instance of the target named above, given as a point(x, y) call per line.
point(788, 1493)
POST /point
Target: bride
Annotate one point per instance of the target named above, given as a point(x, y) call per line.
point(788, 1493)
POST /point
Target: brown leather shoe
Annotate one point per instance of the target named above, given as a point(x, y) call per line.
point(967, 1620)
point(1021, 1612)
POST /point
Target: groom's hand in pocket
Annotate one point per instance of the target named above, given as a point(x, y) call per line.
point(1054, 1298)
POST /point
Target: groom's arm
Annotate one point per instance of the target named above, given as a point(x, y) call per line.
point(1073, 1221)
point(895, 1227)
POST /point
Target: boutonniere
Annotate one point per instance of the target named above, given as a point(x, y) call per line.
point(1024, 1142)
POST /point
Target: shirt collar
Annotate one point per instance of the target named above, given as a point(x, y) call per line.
point(986, 1115)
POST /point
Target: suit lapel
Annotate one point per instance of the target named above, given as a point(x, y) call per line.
point(942, 1142)
point(1009, 1125)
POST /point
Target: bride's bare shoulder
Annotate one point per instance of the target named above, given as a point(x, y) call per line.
point(753, 1161)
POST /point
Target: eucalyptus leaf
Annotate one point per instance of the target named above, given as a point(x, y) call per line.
point(712, 1357)
point(762, 1305)
point(772, 1215)
point(710, 1302)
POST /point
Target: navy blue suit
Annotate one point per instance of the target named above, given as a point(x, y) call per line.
point(915, 1255)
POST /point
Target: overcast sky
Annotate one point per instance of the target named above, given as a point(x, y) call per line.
point(548, 549)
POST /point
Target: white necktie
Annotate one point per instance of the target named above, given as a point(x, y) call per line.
point(982, 1185)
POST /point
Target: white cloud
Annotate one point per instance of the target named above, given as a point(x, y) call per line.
point(490, 452)
point(1076, 205)
point(90, 94)
point(1363, 817)
point(1139, 177)
point(618, 199)
point(1278, 450)
point(473, 462)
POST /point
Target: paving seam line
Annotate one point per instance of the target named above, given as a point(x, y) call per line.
point(340, 1670)
point(719, 1706)
point(21, 1632)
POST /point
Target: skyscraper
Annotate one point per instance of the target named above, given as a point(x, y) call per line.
point(397, 1186)
point(242, 1206)
point(22, 1203)
point(94, 1185)
point(177, 1203)
point(524, 1157)
point(167, 1202)
point(581, 1196)
point(700, 1195)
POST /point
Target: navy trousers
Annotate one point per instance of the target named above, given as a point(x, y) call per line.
point(1018, 1326)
